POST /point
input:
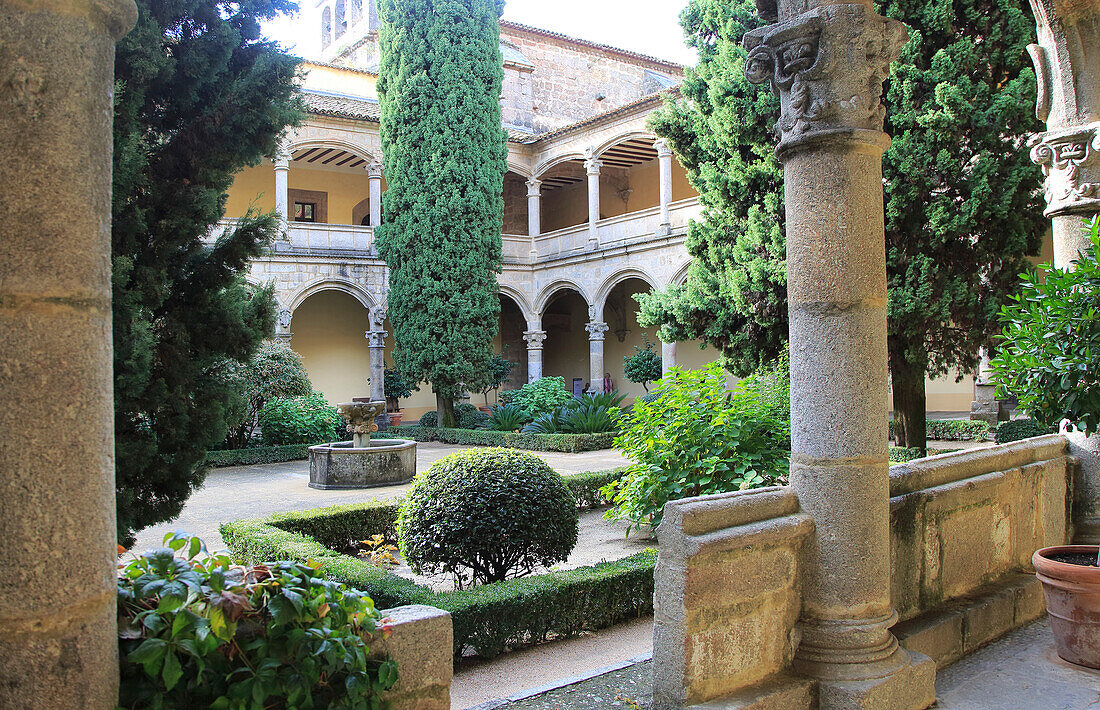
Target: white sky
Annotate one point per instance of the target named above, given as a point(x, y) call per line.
point(650, 26)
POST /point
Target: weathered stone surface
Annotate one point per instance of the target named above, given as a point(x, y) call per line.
point(421, 643)
point(341, 466)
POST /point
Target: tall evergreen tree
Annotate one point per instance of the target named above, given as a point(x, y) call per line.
point(962, 204)
point(439, 83)
point(199, 96)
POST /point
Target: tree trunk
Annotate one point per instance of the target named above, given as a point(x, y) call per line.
point(445, 408)
point(909, 408)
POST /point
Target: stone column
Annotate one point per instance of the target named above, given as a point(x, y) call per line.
point(534, 215)
point(596, 332)
point(534, 339)
point(374, 173)
point(58, 633)
point(664, 155)
point(827, 63)
point(668, 357)
point(282, 187)
point(376, 341)
point(986, 407)
point(592, 167)
point(1067, 66)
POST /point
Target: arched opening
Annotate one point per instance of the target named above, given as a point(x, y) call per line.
point(515, 204)
point(326, 27)
point(620, 312)
point(564, 196)
point(341, 18)
point(630, 178)
point(510, 343)
point(565, 352)
point(328, 332)
point(330, 184)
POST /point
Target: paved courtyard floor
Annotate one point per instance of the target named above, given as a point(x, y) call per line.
point(255, 491)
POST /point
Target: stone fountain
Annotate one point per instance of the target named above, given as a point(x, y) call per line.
point(361, 462)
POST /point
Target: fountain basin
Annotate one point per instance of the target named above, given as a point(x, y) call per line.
point(340, 465)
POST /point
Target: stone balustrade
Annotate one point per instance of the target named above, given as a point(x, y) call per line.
point(641, 226)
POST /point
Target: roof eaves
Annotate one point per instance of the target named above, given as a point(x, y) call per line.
point(596, 45)
point(625, 108)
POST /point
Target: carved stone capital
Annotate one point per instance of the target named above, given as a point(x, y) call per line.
point(534, 188)
point(596, 330)
point(1071, 169)
point(662, 148)
point(377, 317)
point(592, 166)
point(827, 65)
point(376, 339)
point(374, 170)
point(534, 339)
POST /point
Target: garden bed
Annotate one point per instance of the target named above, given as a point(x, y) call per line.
point(488, 620)
point(563, 443)
point(257, 454)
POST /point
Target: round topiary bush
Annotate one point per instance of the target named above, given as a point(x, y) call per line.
point(486, 515)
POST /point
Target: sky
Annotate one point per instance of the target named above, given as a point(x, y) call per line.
point(647, 26)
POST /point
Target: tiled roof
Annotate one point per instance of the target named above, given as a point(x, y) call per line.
point(587, 43)
point(625, 108)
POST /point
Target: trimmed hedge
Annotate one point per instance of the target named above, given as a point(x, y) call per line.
point(1018, 429)
point(953, 430)
point(258, 454)
point(564, 443)
point(490, 619)
point(586, 486)
point(901, 454)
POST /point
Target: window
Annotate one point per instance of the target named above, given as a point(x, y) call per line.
point(305, 211)
point(341, 18)
point(326, 27)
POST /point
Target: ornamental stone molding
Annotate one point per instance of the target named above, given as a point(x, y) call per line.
point(374, 169)
point(827, 65)
point(377, 316)
point(1068, 160)
point(376, 339)
point(284, 319)
point(596, 330)
point(1065, 59)
point(534, 339)
point(592, 166)
point(662, 148)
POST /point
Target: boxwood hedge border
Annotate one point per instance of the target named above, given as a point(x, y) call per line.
point(562, 443)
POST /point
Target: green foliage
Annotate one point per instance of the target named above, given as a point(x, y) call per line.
point(696, 438)
point(1019, 429)
point(500, 368)
point(961, 207)
point(491, 618)
point(552, 422)
point(541, 396)
point(565, 443)
point(198, 97)
point(486, 516)
point(1050, 352)
point(644, 366)
point(301, 420)
point(506, 417)
point(953, 430)
point(439, 88)
point(197, 631)
point(429, 419)
point(590, 419)
point(274, 371)
point(395, 386)
point(257, 454)
point(467, 416)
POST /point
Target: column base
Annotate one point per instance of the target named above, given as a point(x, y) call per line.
point(664, 230)
point(912, 686)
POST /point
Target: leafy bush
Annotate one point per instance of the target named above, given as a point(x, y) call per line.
point(429, 419)
point(1051, 343)
point(589, 419)
point(197, 631)
point(489, 619)
point(697, 438)
point(598, 399)
point(300, 420)
point(499, 369)
point(541, 396)
point(467, 416)
point(395, 388)
point(565, 443)
point(552, 422)
point(1018, 429)
point(588, 487)
point(953, 430)
point(274, 371)
point(485, 516)
point(644, 366)
point(506, 417)
point(257, 455)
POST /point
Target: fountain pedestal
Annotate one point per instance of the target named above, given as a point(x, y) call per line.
point(361, 463)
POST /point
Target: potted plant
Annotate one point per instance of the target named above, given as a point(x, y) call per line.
point(1049, 358)
point(499, 369)
point(395, 389)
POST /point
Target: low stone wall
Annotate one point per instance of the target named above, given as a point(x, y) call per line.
point(420, 642)
point(963, 526)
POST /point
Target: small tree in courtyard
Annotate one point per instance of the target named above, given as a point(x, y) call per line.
point(644, 366)
point(199, 96)
point(439, 83)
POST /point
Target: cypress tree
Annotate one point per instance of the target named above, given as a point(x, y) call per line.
point(439, 85)
point(962, 202)
point(199, 96)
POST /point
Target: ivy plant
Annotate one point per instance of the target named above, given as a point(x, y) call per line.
point(195, 630)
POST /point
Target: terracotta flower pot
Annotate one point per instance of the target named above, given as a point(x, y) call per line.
point(395, 418)
point(1073, 601)
point(485, 408)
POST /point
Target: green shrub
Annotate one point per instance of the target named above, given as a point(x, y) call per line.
point(257, 455)
point(697, 438)
point(589, 419)
point(395, 388)
point(486, 516)
point(552, 422)
point(488, 619)
point(588, 488)
point(429, 419)
point(195, 632)
point(1050, 355)
point(644, 366)
point(506, 417)
point(467, 416)
point(274, 371)
point(597, 399)
point(953, 430)
point(545, 394)
point(566, 443)
point(1018, 429)
point(300, 420)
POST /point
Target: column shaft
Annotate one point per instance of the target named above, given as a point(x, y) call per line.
point(282, 187)
point(374, 172)
point(596, 332)
point(664, 155)
point(58, 635)
point(668, 357)
point(592, 167)
point(534, 208)
point(534, 338)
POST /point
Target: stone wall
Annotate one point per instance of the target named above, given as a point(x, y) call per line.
point(421, 642)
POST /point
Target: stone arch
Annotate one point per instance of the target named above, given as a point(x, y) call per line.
point(519, 298)
point(332, 284)
point(617, 278)
point(548, 293)
point(621, 138)
point(337, 144)
point(680, 277)
point(519, 168)
point(546, 165)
